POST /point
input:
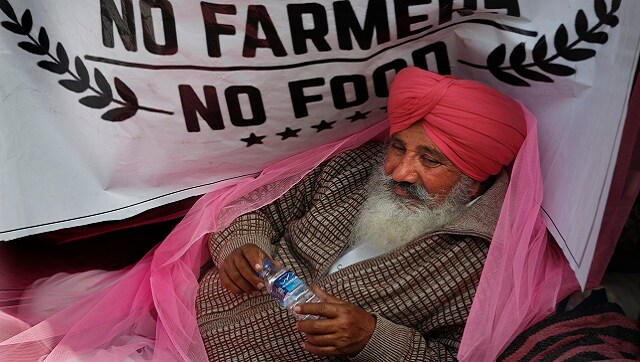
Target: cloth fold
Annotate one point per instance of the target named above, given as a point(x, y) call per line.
point(597, 332)
point(147, 311)
point(525, 274)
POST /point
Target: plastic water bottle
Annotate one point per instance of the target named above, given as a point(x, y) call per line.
point(287, 288)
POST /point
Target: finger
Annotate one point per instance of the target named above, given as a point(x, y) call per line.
point(324, 351)
point(323, 309)
point(258, 266)
point(325, 296)
point(317, 327)
point(322, 340)
point(238, 279)
point(227, 283)
point(255, 256)
point(248, 273)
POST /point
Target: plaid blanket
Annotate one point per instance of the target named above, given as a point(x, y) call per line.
point(600, 332)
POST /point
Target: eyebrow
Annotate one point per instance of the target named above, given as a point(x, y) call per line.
point(432, 151)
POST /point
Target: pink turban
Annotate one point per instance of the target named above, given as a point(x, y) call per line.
point(479, 129)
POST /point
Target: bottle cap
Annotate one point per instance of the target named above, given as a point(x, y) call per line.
point(267, 264)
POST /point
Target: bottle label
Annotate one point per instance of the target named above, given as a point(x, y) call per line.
point(284, 285)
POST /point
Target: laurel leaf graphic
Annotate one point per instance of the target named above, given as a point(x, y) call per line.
point(539, 51)
point(27, 21)
point(508, 78)
point(598, 37)
point(518, 55)
point(576, 55)
point(73, 85)
point(102, 84)
point(80, 81)
point(13, 27)
point(561, 39)
point(600, 8)
point(557, 69)
point(8, 10)
point(125, 92)
point(615, 5)
point(43, 39)
point(496, 57)
point(533, 75)
point(63, 58)
point(52, 67)
point(119, 114)
point(97, 102)
point(610, 20)
point(83, 74)
point(545, 62)
point(582, 23)
point(32, 48)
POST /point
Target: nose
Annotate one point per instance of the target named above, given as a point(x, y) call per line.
point(405, 169)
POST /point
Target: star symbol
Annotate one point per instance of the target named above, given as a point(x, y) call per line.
point(323, 125)
point(358, 116)
point(287, 133)
point(253, 139)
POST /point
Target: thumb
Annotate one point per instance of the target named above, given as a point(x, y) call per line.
point(259, 259)
point(324, 295)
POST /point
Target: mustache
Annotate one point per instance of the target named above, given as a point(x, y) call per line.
point(414, 190)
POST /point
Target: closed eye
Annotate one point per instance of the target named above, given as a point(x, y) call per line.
point(397, 147)
point(430, 162)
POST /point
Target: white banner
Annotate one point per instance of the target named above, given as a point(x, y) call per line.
point(112, 107)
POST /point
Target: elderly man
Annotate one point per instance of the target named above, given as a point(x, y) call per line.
point(393, 237)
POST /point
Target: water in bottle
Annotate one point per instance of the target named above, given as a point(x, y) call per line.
point(287, 288)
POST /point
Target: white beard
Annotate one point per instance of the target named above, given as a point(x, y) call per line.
point(388, 221)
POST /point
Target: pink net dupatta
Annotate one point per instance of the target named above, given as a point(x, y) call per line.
point(145, 312)
point(525, 274)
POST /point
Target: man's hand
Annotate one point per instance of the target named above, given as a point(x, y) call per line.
point(346, 329)
point(238, 272)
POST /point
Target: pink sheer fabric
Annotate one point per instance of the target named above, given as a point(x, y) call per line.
point(525, 274)
point(147, 311)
